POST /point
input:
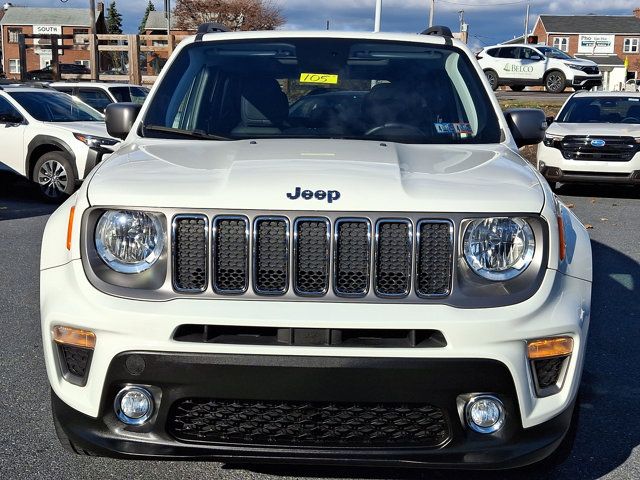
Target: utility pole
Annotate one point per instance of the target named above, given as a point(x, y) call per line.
point(167, 13)
point(93, 44)
point(526, 25)
point(378, 18)
point(431, 12)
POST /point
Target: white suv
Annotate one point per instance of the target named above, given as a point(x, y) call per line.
point(99, 95)
point(50, 138)
point(594, 138)
point(519, 66)
point(381, 281)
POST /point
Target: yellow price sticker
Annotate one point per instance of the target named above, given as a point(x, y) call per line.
point(322, 78)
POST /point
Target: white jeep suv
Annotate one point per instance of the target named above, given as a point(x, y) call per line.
point(519, 66)
point(595, 138)
point(50, 138)
point(380, 282)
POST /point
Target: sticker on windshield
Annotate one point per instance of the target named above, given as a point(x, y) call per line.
point(447, 128)
point(321, 78)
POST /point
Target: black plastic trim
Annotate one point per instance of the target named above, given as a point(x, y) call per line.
point(40, 140)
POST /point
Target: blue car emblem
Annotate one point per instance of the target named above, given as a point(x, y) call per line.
point(598, 143)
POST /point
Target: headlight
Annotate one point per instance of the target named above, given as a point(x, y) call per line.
point(129, 241)
point(499, 248)
point(550, 140)
point(95, 142)
point(575, 66)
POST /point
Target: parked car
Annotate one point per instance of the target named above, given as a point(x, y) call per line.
point(594, 138)
point(50, 138)
point(98, 94)
point(46, 73)
point(519, 66)
point(400, 290)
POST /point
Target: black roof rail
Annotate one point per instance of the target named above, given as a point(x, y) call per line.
point(439, 30)
point(210, 27)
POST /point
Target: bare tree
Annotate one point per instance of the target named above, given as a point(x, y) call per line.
point(234, 14)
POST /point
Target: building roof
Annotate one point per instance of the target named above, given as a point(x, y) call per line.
point(157, 21)
point(603, 24)
point(604, 60)
point(47, 16)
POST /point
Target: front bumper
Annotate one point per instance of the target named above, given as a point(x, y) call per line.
point(585, 81)
point(333, 381)
point(554, 174)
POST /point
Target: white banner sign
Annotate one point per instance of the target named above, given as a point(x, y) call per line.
point(47, 29)
point(596, 44)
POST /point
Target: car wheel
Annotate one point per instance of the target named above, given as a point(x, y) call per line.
point(517, 88)
point(55, 176)
point(493, 79)
point(554, 82)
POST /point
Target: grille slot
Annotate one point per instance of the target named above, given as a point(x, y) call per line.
point(548, 371)
point(308, 424)
point(190, 255)
point(352, 257)
point(75, 363)
point(434, 258)
point(615, 149)
point(311, 256)
point(231, 254)
point(271, 255)
point(393, 258)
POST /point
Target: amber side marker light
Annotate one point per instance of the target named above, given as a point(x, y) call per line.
point(70, 227)
point(74, 336)
point(549, 347)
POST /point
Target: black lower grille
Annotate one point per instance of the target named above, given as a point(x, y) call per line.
point(75, 363)
point(393, 258)
point(308, 424)
point(231, 250)
point(271, 256)
point(190, 254)
point(352, 258)
point(312, 256)
point(435, 250)
point(548, 371)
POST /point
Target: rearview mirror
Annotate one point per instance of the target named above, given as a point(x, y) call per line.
point(527, 125)
point(120, 118)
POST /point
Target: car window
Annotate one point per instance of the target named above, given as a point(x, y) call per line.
point(601, 110)
point(552, 52)
point(67, 90)
point(129, 94)
point(8, 110)
point(527, 53)
point(508, 52)
point(94, 98)
point(493, 52)
point(405, 92)
point(55, 107)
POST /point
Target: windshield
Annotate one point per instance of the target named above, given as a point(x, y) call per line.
point(322, 88)
point(554, 53)
point(129, 94)
point(601, 110)
point(56, 107)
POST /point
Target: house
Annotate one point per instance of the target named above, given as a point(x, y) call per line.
point(156, 24)
point(608, 40)
point(54, 21)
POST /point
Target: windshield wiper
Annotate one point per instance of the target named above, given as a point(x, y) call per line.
point(200, 134)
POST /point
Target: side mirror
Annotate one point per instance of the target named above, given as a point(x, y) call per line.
point(120, 118)
point(527, 125)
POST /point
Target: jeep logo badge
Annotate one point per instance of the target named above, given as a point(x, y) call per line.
point(328, 195)
point(598, 143)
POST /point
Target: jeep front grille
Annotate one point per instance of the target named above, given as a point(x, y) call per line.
point(308, 256)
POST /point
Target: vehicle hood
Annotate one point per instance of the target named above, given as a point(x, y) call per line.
point(580, 61)
point(594, 129)
point(98, 129)
point(369, 176)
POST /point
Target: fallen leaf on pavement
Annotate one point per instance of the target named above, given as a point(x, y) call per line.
point(588, 226)
point(604, 219)
point(570, 205)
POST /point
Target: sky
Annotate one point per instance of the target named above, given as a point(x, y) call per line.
point(490, 21)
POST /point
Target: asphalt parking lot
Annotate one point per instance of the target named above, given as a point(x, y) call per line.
point(608, 438)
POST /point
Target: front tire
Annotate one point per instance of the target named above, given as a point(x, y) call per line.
point(555, 82)
point(55, 176)
point(492, 77)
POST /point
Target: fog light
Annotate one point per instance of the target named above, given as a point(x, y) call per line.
point(485, 414)
point(133, 405)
